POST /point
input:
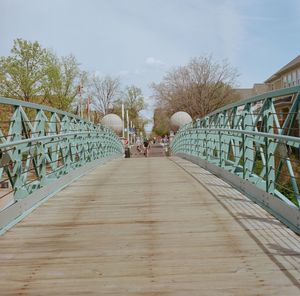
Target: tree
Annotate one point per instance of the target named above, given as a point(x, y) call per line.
point(22, 73)
point(104, 91)
point(197, 88)
point(61, 84)
point(161, 126)
point(133, 100)
point(34, 74)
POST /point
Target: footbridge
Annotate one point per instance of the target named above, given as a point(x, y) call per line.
point(218, 217)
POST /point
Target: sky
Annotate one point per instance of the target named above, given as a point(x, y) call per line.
point(141, 40)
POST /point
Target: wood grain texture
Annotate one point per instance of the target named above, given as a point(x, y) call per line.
point(145, 226)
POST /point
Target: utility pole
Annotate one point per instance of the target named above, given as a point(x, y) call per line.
point(123, 125)
point(81, 109)
point(88, 107)
point(79, 104)
point(134, 135)
point(131, 130)
point(127, 117)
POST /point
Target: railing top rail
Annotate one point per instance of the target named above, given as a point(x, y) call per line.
point(255, 140)
point(15, 102)
point(43, 138)
point(271, 94)
point(245, 132)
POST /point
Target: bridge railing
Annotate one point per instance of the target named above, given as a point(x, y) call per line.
point(39, 145)
point(252, 142)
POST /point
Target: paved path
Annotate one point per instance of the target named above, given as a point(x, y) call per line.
point(156, 150)
point(147, 226)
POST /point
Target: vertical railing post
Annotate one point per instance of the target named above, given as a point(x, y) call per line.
point(220, 150)
point(267, 164)
point(15, 134)
point(243, 136)
point(243, 155)
point(222, 144)
point(248, 147)
point(270, 148)
point(206, 137)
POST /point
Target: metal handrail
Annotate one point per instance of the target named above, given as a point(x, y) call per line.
point(252, 133)
point(253, 142)
point(43, 138)
point(19, 103)
point(28, 162)
point(270, 94)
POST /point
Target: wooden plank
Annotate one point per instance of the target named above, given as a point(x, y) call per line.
point(146, 227)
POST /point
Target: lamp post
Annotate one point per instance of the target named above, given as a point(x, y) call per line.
point(131, 131)
point(123, 125)
point(127, 119)
point(134, 135)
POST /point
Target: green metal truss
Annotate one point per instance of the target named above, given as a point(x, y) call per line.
point(253, 140)
point(39, 144)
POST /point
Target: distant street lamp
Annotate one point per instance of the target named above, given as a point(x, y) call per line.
point(127, 119)
point(123, 126)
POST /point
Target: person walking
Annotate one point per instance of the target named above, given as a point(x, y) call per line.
point(146, 147)
point(138, 145)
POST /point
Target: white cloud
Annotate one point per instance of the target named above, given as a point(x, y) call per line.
point(151, 61)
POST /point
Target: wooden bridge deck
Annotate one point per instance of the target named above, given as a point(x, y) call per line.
point(149, 226)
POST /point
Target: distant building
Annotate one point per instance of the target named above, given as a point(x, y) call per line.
point(258, 88)
point(287, 76)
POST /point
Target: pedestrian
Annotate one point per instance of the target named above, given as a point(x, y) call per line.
point(146, 147)
point(138, 145)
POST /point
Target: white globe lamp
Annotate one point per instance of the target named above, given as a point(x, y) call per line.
point(179, 119)
point(113, 121)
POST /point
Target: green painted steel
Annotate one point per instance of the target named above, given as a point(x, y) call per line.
point(256, 139)
point(39, 144)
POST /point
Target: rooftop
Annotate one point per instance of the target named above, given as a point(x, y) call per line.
point(288, 66)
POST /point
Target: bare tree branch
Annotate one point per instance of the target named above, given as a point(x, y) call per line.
point(197, 88)
point(104, 91)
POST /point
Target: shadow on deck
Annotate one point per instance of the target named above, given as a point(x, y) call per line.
point(149, 226)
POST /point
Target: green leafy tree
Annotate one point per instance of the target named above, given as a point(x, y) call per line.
point(22, 72)
point(133, 100)
point(34, 74)
point(62, 81)
point(161, 126)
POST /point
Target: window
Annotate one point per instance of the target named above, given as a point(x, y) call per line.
point(294, 77)
point(284, 81)
point(289, 79)
point(298, 76)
